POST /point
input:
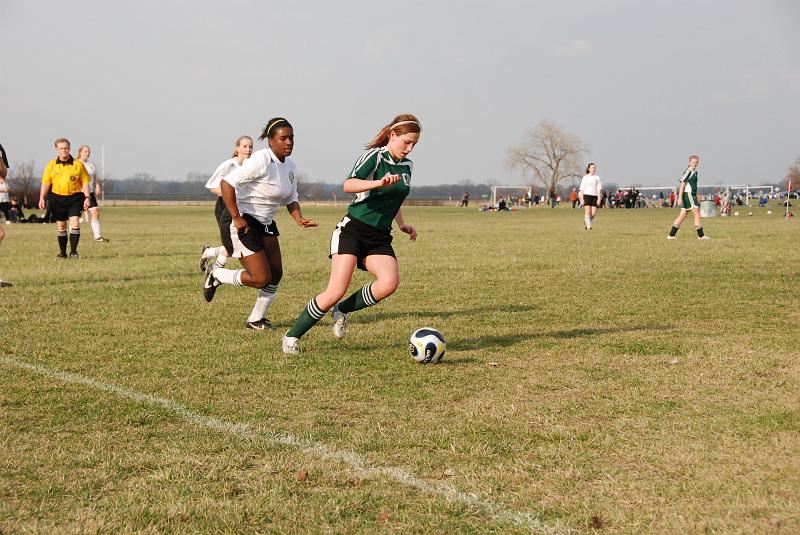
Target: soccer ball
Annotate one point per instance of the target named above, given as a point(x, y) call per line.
point(736, 213)
point(426, 345)
point(769, 212)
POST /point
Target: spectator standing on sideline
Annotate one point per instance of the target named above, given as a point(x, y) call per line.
point(573, 197)
point(94, 209)
point(68, 182)
point(553, 198)
point(464, 200)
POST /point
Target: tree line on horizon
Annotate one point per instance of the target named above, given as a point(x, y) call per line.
point(548, 157)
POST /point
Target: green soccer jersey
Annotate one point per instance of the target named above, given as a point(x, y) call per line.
point(690, 179)
point(378, 207)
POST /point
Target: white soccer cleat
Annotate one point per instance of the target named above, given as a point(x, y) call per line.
point(290, 345)
point(339, 323)
point(672, 237)
point(703, 238)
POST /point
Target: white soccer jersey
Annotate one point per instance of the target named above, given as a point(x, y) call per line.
point(90, 169)
point(590, 185)
point(263, 183)
point(222, 170)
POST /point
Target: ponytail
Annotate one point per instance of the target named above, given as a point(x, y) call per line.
point(402, 124)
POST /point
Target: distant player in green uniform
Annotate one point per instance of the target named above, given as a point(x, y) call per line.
point(380, 180)
point(687, 200)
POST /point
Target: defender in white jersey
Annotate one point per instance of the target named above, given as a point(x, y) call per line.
point(252, 194)
point(590, 194)
point(94, 187)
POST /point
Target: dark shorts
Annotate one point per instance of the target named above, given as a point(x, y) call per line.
point(66, 206)
point(223, 218)
point(93, 201)
point(689, 201)
point(590, 200)
point(351, 236)
point(252, 241)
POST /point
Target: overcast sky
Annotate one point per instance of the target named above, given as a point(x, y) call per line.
point(166, 86)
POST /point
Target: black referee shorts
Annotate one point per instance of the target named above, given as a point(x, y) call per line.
point(66, 206)
point(354, 237)
point(93, 201)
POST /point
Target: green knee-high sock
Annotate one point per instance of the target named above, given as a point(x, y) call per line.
point(307, 319)
point(359, 299)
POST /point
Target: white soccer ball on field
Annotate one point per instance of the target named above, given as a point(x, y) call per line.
point(426, 345)
point(749, 213)
point(736, 213)
point(769, 212)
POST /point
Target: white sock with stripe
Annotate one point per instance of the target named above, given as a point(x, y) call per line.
point(229, 276)
point(265, 297)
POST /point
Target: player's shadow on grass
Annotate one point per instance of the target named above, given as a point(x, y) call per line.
point(469, 343)
point(444, 315)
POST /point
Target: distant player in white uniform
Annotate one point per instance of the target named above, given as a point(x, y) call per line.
point(590, 194)
point(252, 194)
point(3, 174)
point(94, 209)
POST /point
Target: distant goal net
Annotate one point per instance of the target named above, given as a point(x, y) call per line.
point(515, 195)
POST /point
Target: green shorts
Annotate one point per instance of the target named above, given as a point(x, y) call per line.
point(689, 201)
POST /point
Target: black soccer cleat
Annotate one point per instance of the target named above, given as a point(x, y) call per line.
point(259, 325)
point(5, 284)
point(204, 261)
point(74, 256)
point(210, 286)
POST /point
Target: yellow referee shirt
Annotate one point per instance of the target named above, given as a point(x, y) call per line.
point(65, 178)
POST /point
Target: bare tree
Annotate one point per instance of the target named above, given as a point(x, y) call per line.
point(24, 183)
point(549, 154)
point(793, 175)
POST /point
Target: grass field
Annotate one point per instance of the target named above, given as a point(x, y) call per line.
point(606, 381)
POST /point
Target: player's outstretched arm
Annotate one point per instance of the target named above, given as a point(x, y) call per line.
point(294, 211)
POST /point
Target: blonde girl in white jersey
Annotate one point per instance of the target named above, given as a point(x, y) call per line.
point(590, 194)
point(94, 209)
point(242, 149)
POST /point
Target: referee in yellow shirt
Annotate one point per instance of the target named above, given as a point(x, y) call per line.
point(66, 178)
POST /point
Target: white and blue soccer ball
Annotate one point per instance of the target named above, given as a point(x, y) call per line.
point(426, 345)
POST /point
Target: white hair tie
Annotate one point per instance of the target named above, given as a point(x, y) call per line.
point(405, 122)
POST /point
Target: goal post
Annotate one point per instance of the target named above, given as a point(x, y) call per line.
point(527, 189)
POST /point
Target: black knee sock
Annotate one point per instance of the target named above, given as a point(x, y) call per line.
point(700, 232)
point(673, 230)
point(62, 242)
point(74, 237)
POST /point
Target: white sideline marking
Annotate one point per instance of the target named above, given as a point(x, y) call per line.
point(317, 449)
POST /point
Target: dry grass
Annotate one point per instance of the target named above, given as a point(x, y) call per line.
point(641, 385)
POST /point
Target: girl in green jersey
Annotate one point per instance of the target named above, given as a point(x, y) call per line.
point(688, 200)
point(380, 180)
